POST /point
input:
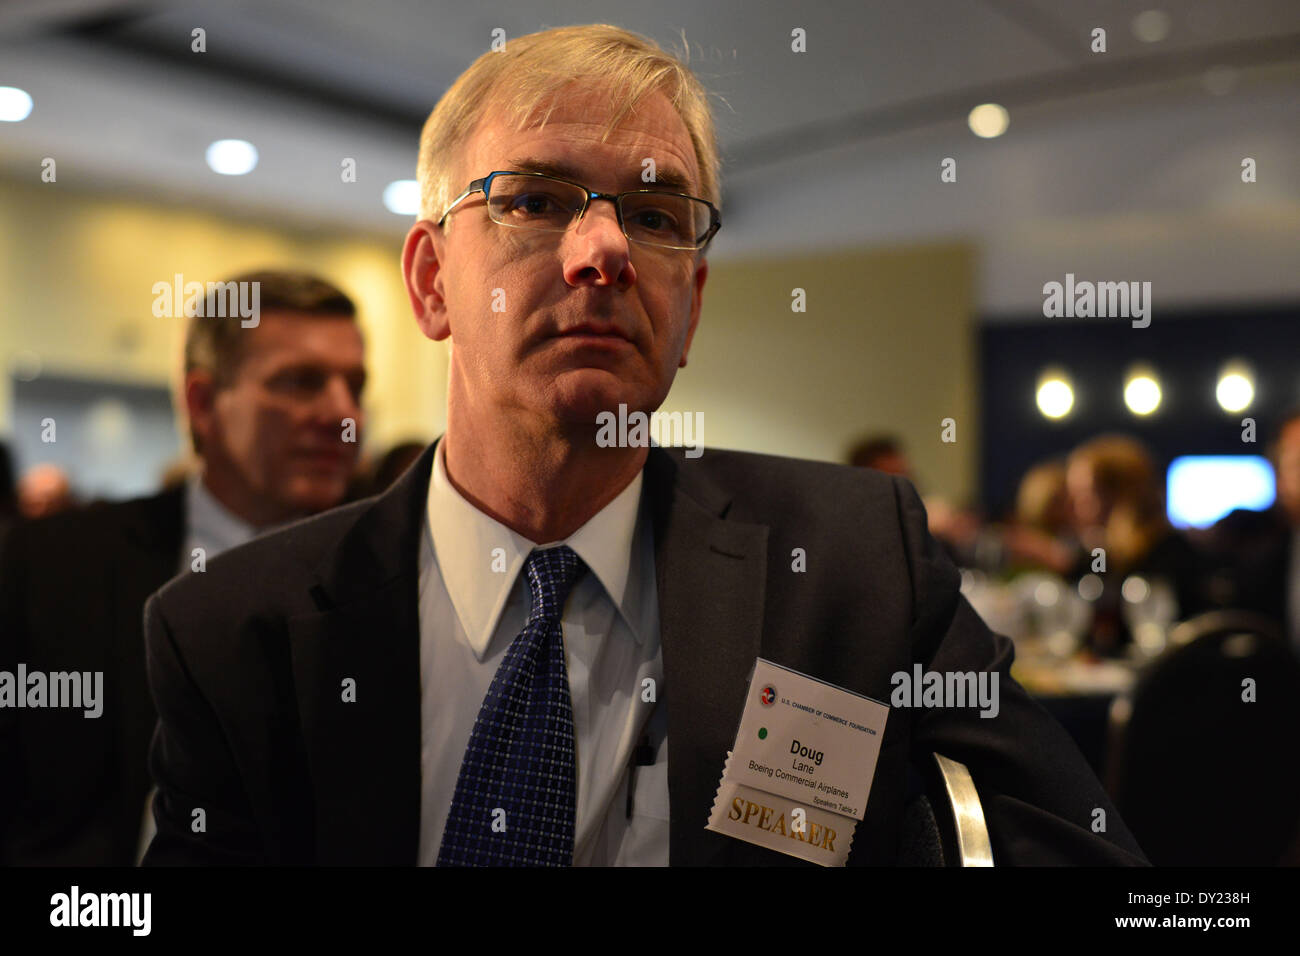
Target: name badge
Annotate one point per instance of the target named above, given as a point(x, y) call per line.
point(799, 774)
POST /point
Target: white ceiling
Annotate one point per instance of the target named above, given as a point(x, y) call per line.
point(1122, 161)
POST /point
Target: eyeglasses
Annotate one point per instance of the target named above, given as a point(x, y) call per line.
point(544, 203)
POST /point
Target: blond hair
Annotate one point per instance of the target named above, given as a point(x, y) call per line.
point(532, 69)
point(1124, 476)
point(1041, 488)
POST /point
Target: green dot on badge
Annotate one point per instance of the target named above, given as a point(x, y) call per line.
point(762, 733)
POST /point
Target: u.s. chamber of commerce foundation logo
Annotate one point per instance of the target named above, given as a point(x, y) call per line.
point(768, 697)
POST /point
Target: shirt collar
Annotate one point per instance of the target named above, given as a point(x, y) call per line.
point(209, 520)
point(479, 578)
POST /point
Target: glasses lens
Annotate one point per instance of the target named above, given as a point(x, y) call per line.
point(534, 202)
point(665, 220)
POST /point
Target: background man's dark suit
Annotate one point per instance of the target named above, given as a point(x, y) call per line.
point(247, 661)
point(1254, 547)
point(72, 594)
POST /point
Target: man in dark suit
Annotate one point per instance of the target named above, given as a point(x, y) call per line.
point(536, 645)
point(264, 403)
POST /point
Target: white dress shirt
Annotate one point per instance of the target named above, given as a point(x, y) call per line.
point(209, 525)
point(474, 601)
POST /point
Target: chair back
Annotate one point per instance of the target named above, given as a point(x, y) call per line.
point(944, 824)
point(1202, 765)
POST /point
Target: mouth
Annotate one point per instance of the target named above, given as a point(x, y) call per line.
point(327, 457)
point(595, 334)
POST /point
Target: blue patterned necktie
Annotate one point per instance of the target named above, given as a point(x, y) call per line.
point(520, 757)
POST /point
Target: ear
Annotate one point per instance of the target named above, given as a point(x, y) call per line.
point(200, 399)
point(697, 299)
point(422, 272)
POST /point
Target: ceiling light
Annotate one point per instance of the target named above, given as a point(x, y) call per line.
point(988, 120)
point(1151, 26)
point(402, 196)
point(232, 157)
point(1055, 395)
point(1142, 392)
point(1236, 388)
point(15, 104)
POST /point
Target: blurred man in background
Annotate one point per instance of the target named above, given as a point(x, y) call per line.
point(1257, 549)
point(882, 452)
point(8, 491)
point(269, 407)
point(44, 490)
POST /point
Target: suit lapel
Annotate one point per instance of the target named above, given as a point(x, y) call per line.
point(364, 752)
point(711, 581)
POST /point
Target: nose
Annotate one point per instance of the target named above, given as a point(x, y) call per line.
point(596, 249)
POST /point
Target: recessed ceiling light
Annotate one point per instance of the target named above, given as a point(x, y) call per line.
point(402, 196)
point(1219, 80)
point(15, 104)
point(232, 157)
point(1152, 26)
point(988, 120)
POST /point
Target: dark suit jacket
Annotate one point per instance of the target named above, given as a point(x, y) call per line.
point(1253, 549)
point(72, 594)
point(246, 663)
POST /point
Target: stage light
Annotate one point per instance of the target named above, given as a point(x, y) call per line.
point(1236, 388)
point(1142, 392)
point(1055, 394)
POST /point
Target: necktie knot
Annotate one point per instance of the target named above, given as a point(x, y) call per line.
point(552, 573)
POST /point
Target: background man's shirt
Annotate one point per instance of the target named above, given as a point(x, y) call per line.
point(209, 525)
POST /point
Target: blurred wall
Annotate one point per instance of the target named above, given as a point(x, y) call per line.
point(76, 278)
point(885, 344)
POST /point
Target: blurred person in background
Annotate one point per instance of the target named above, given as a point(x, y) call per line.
point(1040, 535)
point(44, 490)
point(266, 405)
point(1118, 506)
point(957, 529)
point(8, 491)
point(884, 453)
point(1257, 549)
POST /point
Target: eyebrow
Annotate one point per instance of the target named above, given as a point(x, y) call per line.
point(666, 177)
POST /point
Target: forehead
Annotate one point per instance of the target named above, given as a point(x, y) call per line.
point(279, 334)
point(572, 139)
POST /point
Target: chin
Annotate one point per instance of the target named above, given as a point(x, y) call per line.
point(578, 397)
point(312, 495)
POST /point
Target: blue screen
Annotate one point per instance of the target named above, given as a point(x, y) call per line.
point(1201, 489)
